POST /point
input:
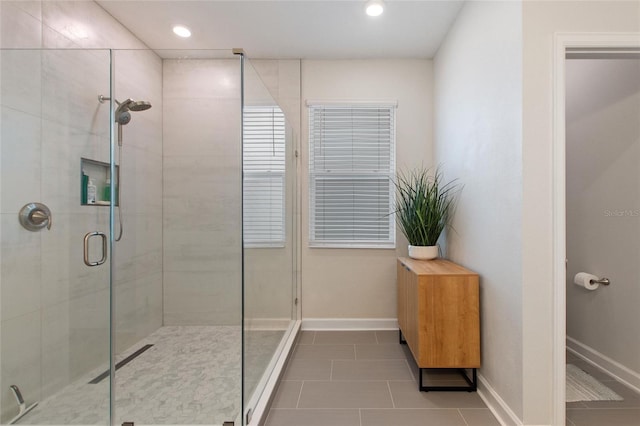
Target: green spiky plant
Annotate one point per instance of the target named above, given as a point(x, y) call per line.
point(424, 205)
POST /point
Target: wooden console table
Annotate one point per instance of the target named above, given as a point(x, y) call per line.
point(439, 317)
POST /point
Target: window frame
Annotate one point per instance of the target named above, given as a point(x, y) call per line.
point(314, 176)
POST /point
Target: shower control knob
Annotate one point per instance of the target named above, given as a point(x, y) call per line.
point(35, 216)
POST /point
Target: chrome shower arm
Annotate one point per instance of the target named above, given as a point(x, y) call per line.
point(103, 99)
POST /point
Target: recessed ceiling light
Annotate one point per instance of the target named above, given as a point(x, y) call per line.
point(182, 31)
point(374, 7)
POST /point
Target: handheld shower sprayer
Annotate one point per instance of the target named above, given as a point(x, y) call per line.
point(122, 116)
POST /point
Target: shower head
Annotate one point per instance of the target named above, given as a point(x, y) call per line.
point(128, 105)
point(139, 106)
point(131, 105)
point(122, 114)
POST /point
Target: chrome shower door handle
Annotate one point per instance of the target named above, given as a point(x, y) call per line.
point(86, 248)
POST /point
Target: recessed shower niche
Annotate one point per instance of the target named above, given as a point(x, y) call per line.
point(95, 183)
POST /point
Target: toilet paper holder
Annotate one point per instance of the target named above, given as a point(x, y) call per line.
point(603, 281)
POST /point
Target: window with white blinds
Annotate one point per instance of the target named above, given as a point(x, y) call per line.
point(263, 163)
point(351, 170)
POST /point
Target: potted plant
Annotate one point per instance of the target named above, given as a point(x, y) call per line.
point(424, 208)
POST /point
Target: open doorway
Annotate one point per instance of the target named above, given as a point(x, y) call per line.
point(602, 128)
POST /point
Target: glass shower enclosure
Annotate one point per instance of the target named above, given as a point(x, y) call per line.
point(147, 228)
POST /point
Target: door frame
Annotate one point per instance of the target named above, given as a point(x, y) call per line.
point(563, 42)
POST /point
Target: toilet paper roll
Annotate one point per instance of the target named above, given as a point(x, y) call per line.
point(583, 279)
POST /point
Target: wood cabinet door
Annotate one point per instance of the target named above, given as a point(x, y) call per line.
point(452, 329)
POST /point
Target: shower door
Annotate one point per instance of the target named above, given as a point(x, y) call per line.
point(271, 99)
point(177, 282)
point(55, 308)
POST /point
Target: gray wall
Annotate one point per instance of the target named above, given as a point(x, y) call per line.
point(55, 310)
point(478, 138)
point(603, 205)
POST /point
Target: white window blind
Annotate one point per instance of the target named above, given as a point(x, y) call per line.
point(263, 163)
point(351, 170)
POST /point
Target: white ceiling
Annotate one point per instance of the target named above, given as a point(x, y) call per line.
point(337, 29)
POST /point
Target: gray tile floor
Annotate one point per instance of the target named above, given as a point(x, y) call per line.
point(365, 378)
point(603, 413)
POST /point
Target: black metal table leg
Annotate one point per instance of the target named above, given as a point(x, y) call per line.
point(472, 382)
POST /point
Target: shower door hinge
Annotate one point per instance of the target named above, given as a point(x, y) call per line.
point(296, 152)
point(128, 424)
point(295, 302)
point(227, 424)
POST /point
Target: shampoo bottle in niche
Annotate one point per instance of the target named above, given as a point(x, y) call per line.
point(91, 192)
point(85, 184)
point(106, 196)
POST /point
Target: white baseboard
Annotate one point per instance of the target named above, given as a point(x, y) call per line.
point(618, 371)
point(496, 404)
point(318, 324)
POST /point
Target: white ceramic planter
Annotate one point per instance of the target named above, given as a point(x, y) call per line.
point(423, 252)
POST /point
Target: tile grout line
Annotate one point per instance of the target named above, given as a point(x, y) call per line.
point(393, 403)
point(266, 421)
point(360, 415)
point(463, 419)
point(299, 395)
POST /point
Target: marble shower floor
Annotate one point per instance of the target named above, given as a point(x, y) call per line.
point(190, 376)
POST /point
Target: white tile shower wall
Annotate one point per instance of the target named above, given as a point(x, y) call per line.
point(23, 131)
point(18, 69)
point(20, 24)
point(55, 312)
point(22, 364)
point(201, 192)
point(87, 25)
point(138, 257)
